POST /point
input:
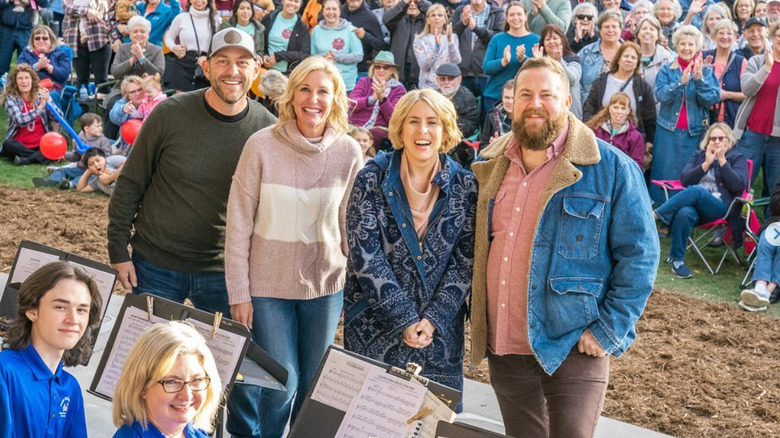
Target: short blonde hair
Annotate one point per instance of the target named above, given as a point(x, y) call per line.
point(724, 24)
point(150, 359)
point(42, 28)
point(705, 140)
point(688, 31)
point(132, 79)
point(337, 119)
point(443, 107)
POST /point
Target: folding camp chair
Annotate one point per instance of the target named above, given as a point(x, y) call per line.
point(708, 232)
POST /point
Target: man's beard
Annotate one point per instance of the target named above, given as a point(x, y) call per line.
point(223, 96)
point(449, 90)
point(541, 139)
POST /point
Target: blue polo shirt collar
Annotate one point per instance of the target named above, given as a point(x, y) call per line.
point(38, 366)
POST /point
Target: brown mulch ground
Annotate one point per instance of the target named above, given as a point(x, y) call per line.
point(697, 369)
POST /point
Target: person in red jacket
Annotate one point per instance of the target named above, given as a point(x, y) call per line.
point(616, 124)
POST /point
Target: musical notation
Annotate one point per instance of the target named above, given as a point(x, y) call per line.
point(340, 381)
point(383, 407)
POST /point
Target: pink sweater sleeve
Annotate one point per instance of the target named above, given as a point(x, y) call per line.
point(241, 209)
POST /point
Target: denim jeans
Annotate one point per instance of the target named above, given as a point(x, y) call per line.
point(691, 207)
point(11, 40)
point(767, 261)
point(73, 173)
point(206, 290)
point(764, 150)
point(296, 333)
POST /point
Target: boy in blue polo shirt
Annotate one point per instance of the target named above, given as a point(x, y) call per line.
point(59, 304)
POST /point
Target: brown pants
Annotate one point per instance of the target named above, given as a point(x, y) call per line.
point(536, 405)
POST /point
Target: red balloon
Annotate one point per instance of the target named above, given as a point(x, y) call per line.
point(53, 145)
point(130, 130)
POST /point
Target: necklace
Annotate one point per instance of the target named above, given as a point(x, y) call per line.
point(31, 126)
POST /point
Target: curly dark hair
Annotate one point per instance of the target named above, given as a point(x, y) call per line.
point(38, 284)
point(13, 89)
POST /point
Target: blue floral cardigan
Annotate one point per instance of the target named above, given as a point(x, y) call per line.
point(393, 280)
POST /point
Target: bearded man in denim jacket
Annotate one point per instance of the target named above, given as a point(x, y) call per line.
point(565, 258)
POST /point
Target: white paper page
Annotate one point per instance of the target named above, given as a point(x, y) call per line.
point(28, 262)
point(226, 348)
point(132, 325)
point(341, 379)
point(439, 412)
point(104, 280)
point(383, 407)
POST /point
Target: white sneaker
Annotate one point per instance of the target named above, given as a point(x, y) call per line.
point(753, 298)
point(751, 308)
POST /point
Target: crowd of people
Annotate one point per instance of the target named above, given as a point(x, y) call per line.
point(398, 161)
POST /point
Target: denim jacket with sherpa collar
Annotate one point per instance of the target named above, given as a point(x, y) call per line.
point(594, 255)
point(699, 94)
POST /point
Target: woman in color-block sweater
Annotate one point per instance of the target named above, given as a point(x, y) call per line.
point(286, 246)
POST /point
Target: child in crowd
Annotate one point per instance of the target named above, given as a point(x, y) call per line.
point(616, 124)
point(102, 171)
point(152, 86)
point(59, 305)
point(767, 273)
point(366, 141)
point(91, 134)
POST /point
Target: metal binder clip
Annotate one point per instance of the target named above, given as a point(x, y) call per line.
point(149, 308)
point(412, 371)
point(215, 326)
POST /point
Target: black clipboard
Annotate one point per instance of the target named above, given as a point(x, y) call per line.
point(462, 430)
point(32, 255)
point(317, 419)
point(141, 311)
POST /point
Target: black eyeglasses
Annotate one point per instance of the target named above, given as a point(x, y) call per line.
point(718, 139)
point(584, 17)
point(41, 38)
point(173, 385)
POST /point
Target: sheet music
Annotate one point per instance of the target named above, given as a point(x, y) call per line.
point(226, 348)
point(29, 261)
point(439, 412)
point(104, 280)
point(383, 407)
point(341, 379)
point(132, 325)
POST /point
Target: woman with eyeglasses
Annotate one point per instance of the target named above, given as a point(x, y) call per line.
point(169, 385)
point(582, 30)
point(48, 59)
point(373, 99)
point(713, 177)
point(728, 66)
point(714, 13)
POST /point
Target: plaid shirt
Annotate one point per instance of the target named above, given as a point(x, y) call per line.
point(17, 118)
point(480, 19)
point(97, 33)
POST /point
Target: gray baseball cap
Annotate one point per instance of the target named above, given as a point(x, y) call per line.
point(232, 37)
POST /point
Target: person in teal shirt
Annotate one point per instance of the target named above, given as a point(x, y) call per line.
point(160, 14)
point(335, 39)
point(505, 53)
point(243, 19)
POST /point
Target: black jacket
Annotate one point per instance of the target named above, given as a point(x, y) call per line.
point(373, 41)
point(467, 109)
point(299, 46)
point(731, 179)
point(402, 29)
point(471, 58)
point(645, 104)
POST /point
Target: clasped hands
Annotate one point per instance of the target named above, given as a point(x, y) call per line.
point(419, 334)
